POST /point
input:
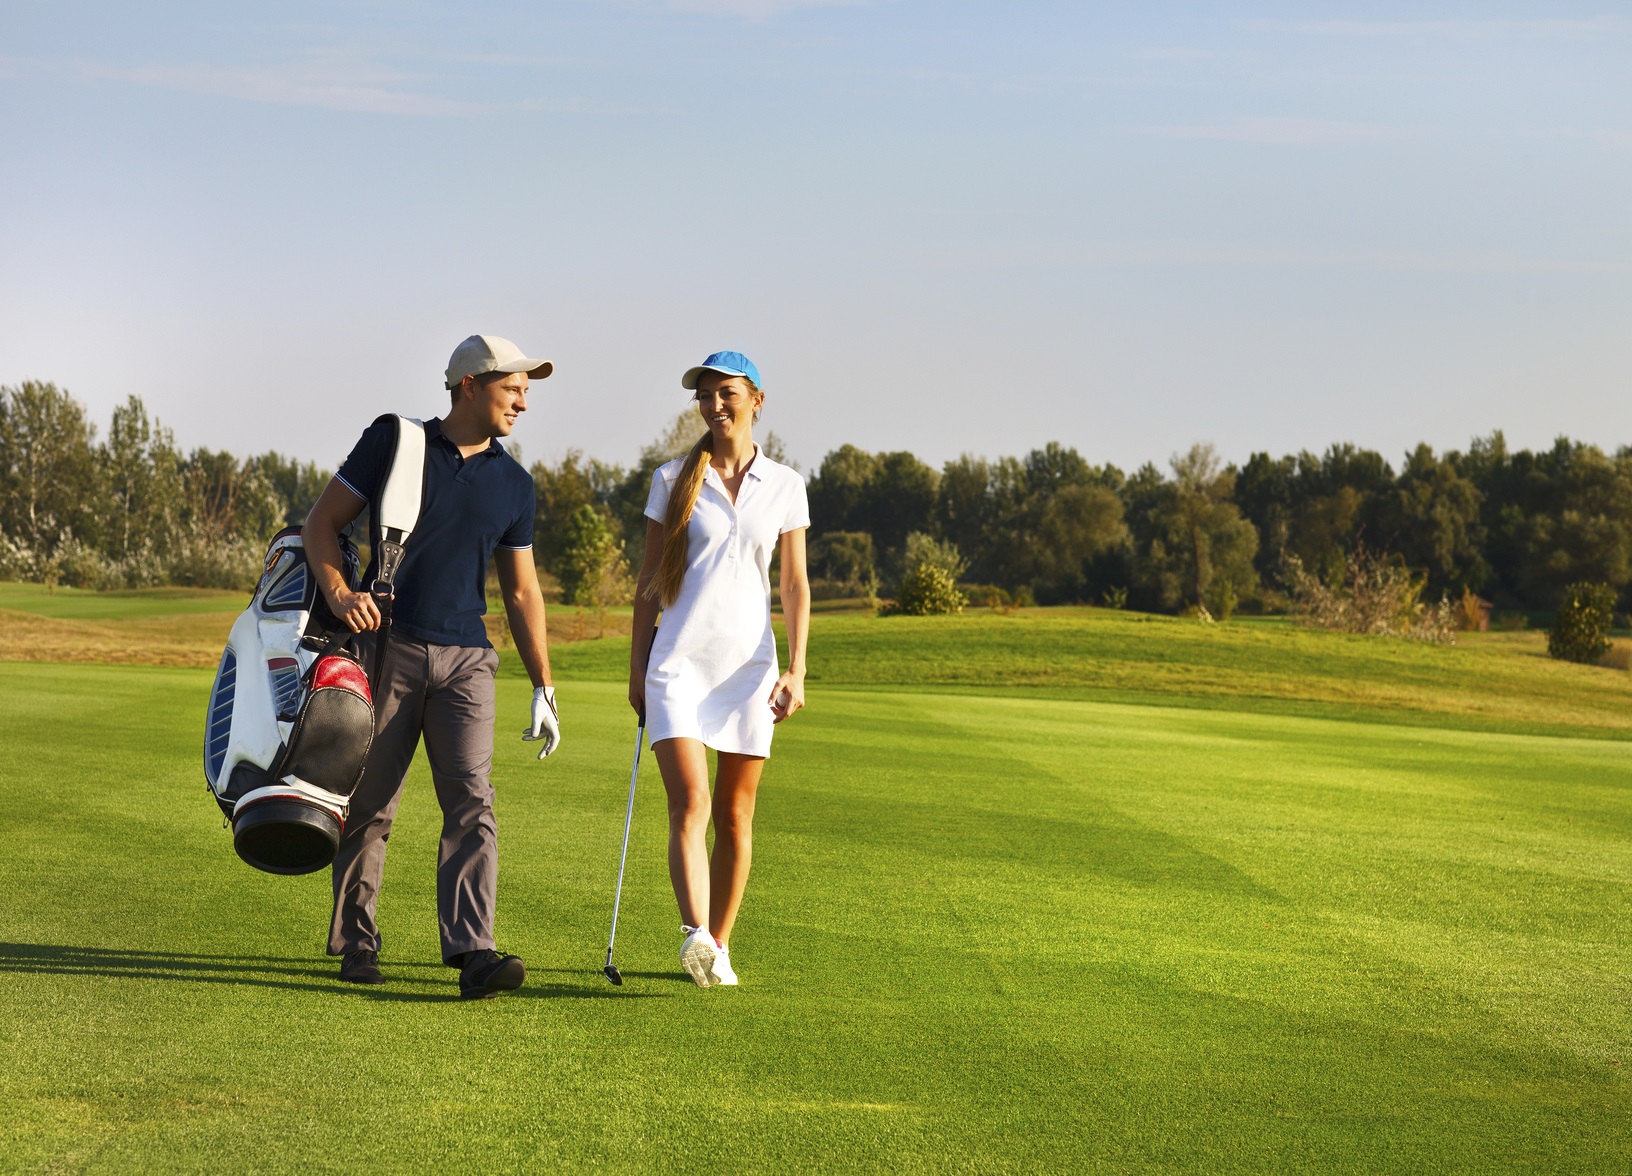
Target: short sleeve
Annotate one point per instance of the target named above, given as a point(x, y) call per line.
point(519, 535)
point(798, 505)
point(364, 470)
point(657, 502)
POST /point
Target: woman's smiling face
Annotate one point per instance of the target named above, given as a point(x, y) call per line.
point(727, 404)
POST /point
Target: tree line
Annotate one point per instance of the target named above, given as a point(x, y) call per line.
point(1516, 527)
point(133, 511)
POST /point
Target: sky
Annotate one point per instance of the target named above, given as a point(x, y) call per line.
point(947, 228)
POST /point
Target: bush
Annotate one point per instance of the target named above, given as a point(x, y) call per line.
point(1222, 599)
point(930, 585)
point(1372, 593)
point(927, 590)
point(827, 589)
point(1580, 631)
point(204, 561)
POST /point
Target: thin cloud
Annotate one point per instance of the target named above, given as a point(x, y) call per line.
point(753, 9)
point(1402, 261)
point(1182, 53)
point(284, 87)
point(1591, 26)
point(324, 80)
point(1281, 132)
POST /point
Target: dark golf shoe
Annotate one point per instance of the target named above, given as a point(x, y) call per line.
point(361, 967)
point(486, 973)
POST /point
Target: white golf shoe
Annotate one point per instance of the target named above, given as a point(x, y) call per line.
point(720, 972)
point(697, 954)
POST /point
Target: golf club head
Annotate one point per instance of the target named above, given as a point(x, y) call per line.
point(613, 974)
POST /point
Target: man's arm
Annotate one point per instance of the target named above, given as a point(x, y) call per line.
point(524, 605)
point(331, 514)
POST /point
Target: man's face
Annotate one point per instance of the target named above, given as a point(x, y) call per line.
point(498, 403)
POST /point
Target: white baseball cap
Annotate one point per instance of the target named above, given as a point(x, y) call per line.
point(482, 354)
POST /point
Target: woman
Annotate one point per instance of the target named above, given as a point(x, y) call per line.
point(708, 676)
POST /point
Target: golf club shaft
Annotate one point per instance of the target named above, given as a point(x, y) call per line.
point(617, 896)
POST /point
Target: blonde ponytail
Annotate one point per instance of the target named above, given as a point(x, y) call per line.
point(665, 586)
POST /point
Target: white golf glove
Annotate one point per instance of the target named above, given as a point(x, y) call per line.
point(546, 721)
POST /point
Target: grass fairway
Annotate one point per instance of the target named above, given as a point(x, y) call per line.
point(1011, 932)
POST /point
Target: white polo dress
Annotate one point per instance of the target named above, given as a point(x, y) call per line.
point(713, 661)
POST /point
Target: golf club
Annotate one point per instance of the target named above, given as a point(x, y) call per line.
point(611, 969)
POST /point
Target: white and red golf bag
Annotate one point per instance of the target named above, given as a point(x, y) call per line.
point(291, 715)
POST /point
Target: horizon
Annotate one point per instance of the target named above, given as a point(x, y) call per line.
point(529, 458)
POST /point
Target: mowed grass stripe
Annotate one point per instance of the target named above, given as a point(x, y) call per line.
point(989, 934)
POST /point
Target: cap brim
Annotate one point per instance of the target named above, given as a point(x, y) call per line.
point(689, 380)
point(536, 369)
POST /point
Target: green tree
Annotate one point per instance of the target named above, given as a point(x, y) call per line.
point(1266, 493)
point(888, 495)
point(1040, 523)
point(561, 490)
point(297, 484)
point(1431, 518)
point(965, 507)
point(845, 556)
point(1188, 533)
point(1553, 518)
point(841, 492)
point(141, 470)
point(48, 471)
point(593, 571)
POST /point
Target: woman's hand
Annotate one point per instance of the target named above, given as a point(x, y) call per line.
point(787, 696)
point(637, 693)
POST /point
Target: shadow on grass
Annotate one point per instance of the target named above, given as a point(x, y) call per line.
point(264, 972)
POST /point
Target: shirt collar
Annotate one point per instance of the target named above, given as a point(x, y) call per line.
point(433, 430)
point(751, 472)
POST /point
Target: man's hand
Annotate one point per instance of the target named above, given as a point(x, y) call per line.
point(355, 610)
point(546, 721)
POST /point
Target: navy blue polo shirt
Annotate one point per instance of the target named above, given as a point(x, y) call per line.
point(471, 506)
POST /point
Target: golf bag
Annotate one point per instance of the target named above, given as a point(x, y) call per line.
point(291, 714)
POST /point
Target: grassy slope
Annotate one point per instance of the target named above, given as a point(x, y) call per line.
point(74, 604)
point(1494, 681)
point(1017, 934)
point(180, 626)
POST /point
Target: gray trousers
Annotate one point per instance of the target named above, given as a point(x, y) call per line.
point(446, 692)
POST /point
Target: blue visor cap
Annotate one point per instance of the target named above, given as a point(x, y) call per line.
point(731, 363)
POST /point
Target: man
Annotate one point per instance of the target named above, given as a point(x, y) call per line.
point(438, 676)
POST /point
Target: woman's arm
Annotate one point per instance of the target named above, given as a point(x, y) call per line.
point(788, 695)
point(644, 626)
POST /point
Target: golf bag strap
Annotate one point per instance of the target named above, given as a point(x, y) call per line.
point(381, 639)
point(401, 497)
point(396, 510)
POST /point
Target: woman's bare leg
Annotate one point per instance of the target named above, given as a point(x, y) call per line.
point(736, 785)
point(684, 765)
